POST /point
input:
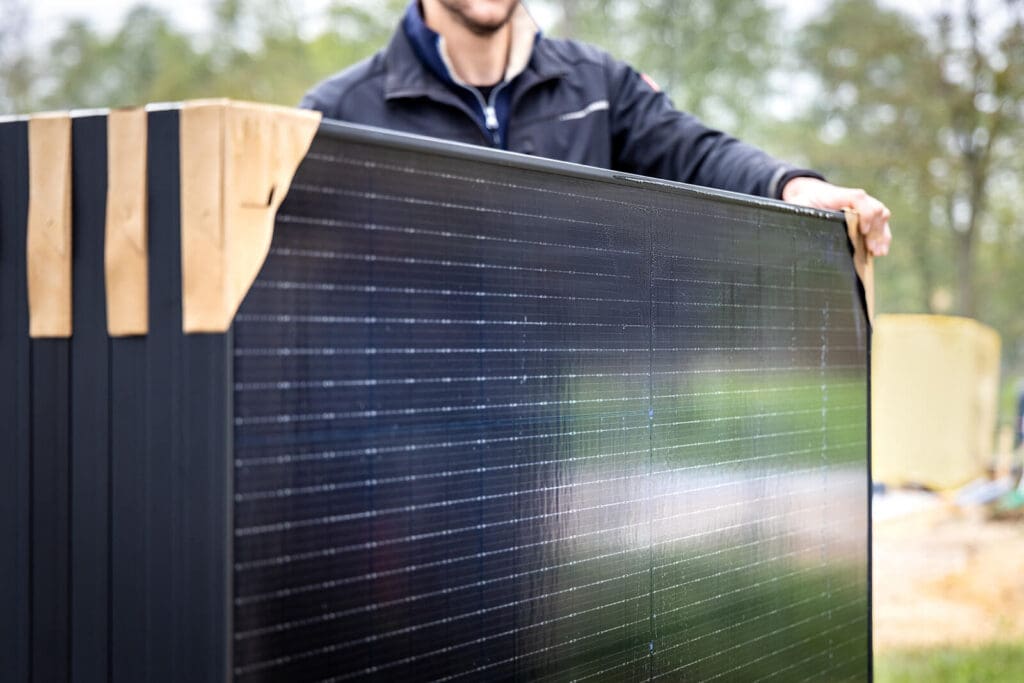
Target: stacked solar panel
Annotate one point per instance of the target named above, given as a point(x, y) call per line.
point(480, 416)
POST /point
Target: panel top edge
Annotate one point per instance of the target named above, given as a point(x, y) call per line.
point(342, 130)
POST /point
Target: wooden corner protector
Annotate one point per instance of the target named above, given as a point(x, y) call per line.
point(48, 230)
point(125, 250)
point(237, 163)
point(863, 263)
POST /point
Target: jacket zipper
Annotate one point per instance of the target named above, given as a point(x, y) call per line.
point(490, 112)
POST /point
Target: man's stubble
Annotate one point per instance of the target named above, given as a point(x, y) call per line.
point(467, 13)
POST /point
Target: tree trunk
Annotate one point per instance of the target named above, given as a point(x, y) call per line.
point(965, 273)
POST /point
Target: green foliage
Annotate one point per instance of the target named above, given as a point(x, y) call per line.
point(256, 49)
point(16, 68)
point(146, 60)
point(878, 128)
point(710, 56)
point(263, 51)
point(992, 664)
point(927, 114)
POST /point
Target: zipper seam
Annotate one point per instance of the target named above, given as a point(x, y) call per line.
point(489, 111)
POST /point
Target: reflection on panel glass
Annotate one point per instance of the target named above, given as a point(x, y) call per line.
point(495, 422)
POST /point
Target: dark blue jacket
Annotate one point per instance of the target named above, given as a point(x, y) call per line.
point(572, 102)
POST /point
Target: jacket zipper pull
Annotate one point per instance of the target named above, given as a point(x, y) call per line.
point(492, 125)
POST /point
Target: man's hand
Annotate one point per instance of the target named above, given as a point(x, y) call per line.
point(874, 216)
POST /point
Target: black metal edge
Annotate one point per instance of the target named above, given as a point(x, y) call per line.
point(227, 524)
point(870, 530)
point(50, 491)
point(205, 506)
point(174, 467)
point(142, 410)
point(340, 130)
point(197, 461)
point(15, 399)
point(162, 557)
point(128, 500)
point(90, 414)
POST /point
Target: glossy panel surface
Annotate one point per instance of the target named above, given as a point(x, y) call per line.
point(503, 420)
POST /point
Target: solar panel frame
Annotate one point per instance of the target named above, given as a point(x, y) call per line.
point(50, 508)
point(89, 482)
point(15, 442)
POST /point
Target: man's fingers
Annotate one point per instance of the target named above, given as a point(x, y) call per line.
point(874, 224)
point(882, 246)
point(856, 199)
point(873, 215)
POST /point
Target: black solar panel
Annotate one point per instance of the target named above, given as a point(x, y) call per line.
point(499, 419)
point(15, 397)
point(480, 417)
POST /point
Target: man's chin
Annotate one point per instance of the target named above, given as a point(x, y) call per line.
point(484, 30)
point(488, 27)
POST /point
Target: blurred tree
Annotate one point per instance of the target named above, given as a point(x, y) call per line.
point(16, 73)
point(983, 85)
point(712, 57)
point(146, 60)
point(930, 115)
point(878, 126)
point(265, 51)
point(256, 49)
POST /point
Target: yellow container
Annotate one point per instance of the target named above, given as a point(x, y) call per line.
point(934, 396)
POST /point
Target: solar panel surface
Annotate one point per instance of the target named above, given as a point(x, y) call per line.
point(497, 418)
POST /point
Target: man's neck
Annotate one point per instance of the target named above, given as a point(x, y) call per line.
point(477, 59)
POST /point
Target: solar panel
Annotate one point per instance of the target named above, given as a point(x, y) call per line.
point(503, 418)
point(15, 515)
point(480, 416)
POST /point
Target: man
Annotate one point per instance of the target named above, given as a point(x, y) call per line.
point(479, 71)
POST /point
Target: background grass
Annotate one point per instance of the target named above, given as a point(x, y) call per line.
point(987, 664)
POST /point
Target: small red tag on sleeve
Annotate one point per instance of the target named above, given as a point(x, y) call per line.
point(650, 81)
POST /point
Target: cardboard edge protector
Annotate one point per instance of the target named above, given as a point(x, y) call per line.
point(237, 163)
point(126, 254)
point(48, 231)
point(863, 263)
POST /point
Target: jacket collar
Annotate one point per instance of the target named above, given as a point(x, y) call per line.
point(416, 62)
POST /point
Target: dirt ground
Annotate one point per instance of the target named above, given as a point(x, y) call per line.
point(945, 575)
